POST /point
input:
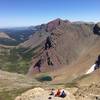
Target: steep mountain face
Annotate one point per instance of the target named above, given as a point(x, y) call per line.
point(69, 41)
point(72, 39)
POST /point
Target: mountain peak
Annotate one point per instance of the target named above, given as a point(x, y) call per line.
point(55, 23)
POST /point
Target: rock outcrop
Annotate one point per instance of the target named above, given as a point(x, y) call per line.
point(41, 94)
point(97, 28)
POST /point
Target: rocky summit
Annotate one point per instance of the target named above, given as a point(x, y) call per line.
point(41, 94)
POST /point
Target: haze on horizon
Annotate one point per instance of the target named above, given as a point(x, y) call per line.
point(15, 13)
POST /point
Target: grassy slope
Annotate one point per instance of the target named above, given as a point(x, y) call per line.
point(13, 63)
point(12, 85)
point(19, 60)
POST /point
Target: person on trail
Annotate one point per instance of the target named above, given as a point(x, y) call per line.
point(97, 63)
point(38, 64)
point(48, 43)
point(58, 93)
point(63, 94)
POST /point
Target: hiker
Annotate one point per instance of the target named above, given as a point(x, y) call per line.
point(97, 63)
point(63, 94)
point(48, 43)
point(58, 93)
point(52, 92)
point(38, 64)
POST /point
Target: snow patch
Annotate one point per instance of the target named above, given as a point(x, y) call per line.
point(91, 69)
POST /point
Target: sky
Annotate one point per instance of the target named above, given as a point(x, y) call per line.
point(16, 13)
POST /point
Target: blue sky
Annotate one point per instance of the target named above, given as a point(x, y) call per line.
point(33, 12)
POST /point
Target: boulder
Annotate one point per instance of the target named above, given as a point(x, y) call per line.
point(96, 28)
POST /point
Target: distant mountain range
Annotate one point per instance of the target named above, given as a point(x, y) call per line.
point(16, 35)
